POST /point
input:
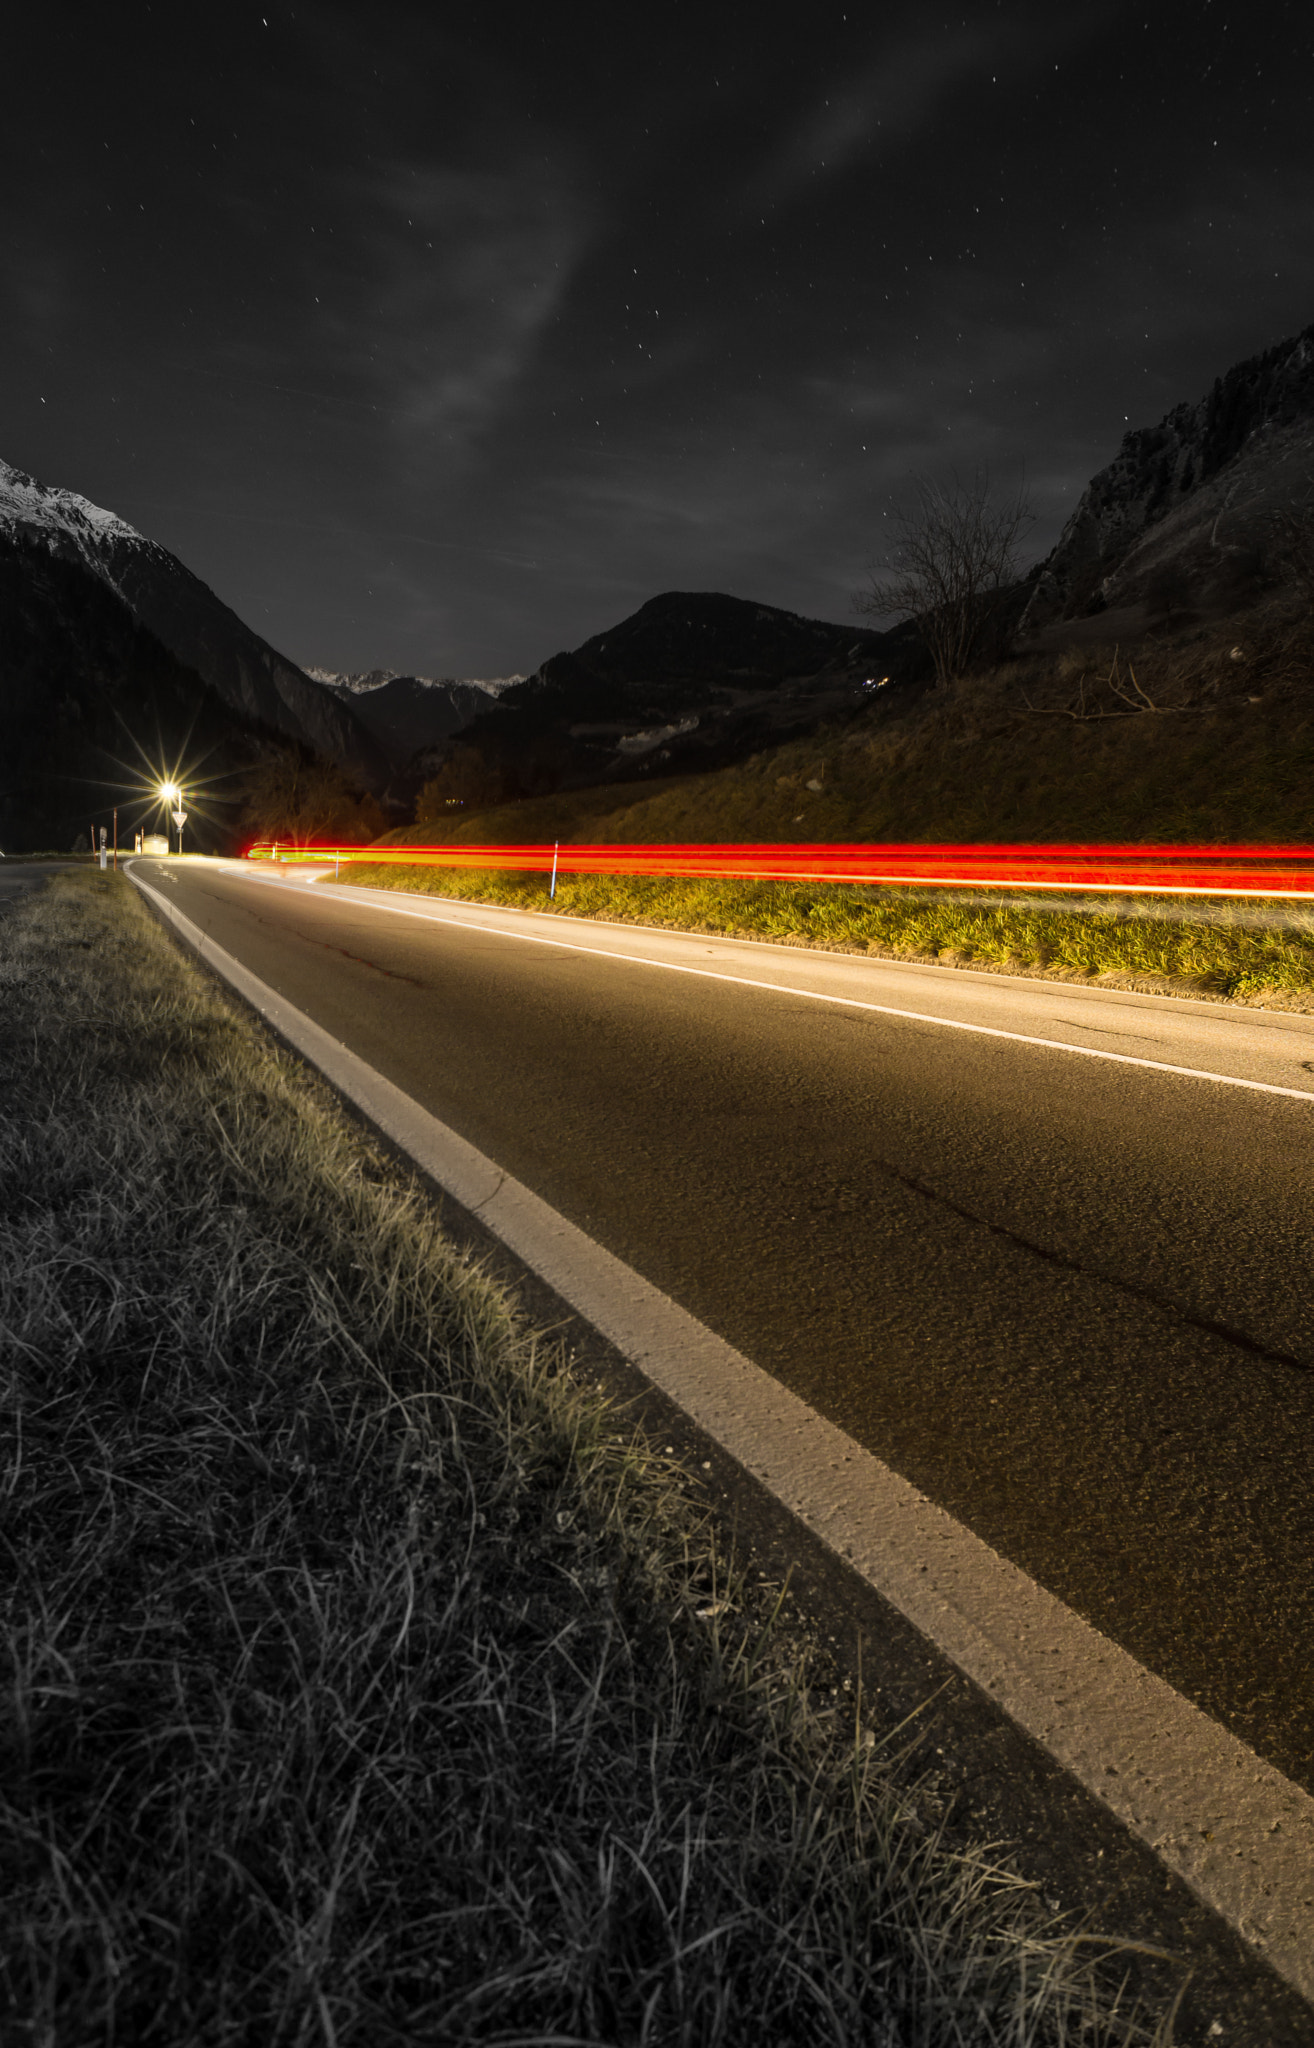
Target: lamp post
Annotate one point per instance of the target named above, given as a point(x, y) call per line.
point(171, 792)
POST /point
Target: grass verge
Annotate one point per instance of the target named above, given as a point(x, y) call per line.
point(365, 1680)
point(1237, 953)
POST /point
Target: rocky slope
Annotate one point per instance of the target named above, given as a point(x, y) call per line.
point(1183, 518)
point(40, 522)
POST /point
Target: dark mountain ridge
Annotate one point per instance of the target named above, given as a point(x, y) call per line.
point(184, 614)
point(696, 637)
point(1183, 515)
point(692, 680)
point(407, 713)
point(242, 669)
point(96, 708)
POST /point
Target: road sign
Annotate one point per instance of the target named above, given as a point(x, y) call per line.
point(180, 819)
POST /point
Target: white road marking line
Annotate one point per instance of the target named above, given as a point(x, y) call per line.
point(811, 995)
point(1239, 1833)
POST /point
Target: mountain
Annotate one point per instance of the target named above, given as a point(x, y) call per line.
point(687, 639)
point(362, 682)
point(186, 617)
point(407, 713)
point(95, 709)
point(1183, 518)
point(692, 680)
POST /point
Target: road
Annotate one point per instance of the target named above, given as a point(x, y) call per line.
point(1070, 1297)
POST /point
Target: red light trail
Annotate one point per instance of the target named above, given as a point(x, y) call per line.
point(1151, 870)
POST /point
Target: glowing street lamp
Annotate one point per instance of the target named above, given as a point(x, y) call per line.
point(172, 794)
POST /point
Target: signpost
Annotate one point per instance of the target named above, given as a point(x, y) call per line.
point(179, 819)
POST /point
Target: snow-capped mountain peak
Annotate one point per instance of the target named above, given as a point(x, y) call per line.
point(362, 682)
point(197, 627)
point(39, 511)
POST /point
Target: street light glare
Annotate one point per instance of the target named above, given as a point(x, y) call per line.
point(169, 790)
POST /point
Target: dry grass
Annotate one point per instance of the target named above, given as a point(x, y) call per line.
point(364, 1681)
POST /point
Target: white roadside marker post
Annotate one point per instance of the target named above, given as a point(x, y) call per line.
point(556, 844)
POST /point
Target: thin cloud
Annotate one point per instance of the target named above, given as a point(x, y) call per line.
point(473, 271)
point(897, 94)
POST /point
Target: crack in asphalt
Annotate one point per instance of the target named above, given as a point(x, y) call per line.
point(491, 1195)
point(1163, 1302)
point(1106, 1031)
point(357, 959)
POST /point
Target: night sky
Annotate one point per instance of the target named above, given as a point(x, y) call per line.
point(440, 337)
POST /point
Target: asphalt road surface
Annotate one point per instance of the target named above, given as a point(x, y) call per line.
point(1070, 1298)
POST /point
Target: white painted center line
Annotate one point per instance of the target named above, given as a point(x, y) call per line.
point(812, 995)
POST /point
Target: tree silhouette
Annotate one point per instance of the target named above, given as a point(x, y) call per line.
point(955, 554)
point(301, 797)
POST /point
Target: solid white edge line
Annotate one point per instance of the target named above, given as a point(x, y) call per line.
point(812, 995)
point(1239, 1833)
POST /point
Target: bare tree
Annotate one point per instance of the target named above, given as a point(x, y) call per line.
point(956, 552)
point(1129, 699)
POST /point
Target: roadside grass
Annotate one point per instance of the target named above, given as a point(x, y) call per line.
point(1245, 952)
point(366, 1679)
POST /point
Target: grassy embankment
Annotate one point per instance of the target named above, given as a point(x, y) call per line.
point(994, 759)
point(365, 1680)
point(1161, 947)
